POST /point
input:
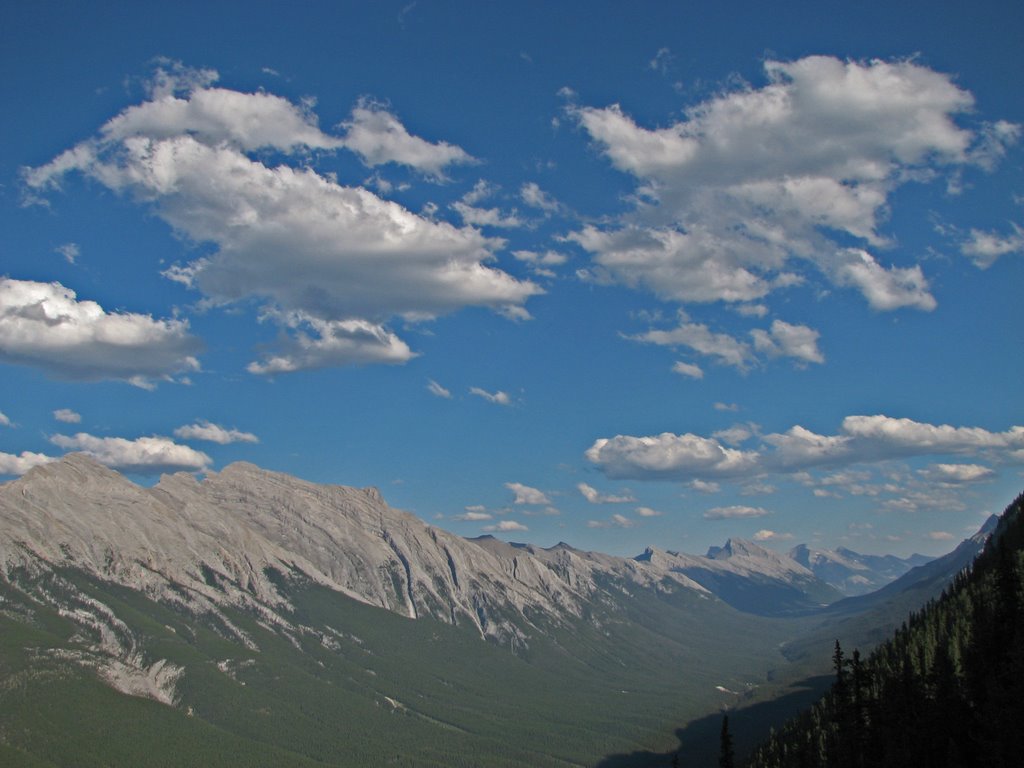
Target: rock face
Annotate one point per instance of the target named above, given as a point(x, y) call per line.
point(750, 577)
point(227, 540)
point(851, 572)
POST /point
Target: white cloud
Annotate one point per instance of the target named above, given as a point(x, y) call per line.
point(901, 437)
point(939, 536)
point(4, 421)
point(535, 197)
point(214, 433)
point(786, 340)
point(862, 439)
point(734, 511)
point(499, 397)
point(661, 61)
point(67, 416)
point(727, 407)
point(318, 254)
point(752, 310)
point(46, 326)
point(69, 251)
point(487, 217)
point(679, 266)
point(754, 179)
point(670, 456)
point(144, 455)
point(735, 435)
point(703, 486)
point(647, 512)
point(473, 516)
point(688, 369)
point(766, 535)
point(378, 137)
point(12, 464)
point(958, 473)
point(482, 190)
point(985, 248)
point(592, 495)
point(215, 116)
point(615, 521)
point(437, 390)
point(781, 340)
point(696, 336)
point(506, 526)
point(546, 259)
point(884, 289)
point(527, 495)
point(335, 343)
point(757, 489)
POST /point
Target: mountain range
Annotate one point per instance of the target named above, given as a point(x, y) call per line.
point(193, 592)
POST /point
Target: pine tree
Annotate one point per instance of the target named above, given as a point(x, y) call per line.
point(726, 756)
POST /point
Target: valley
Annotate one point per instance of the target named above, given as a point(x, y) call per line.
point(253, 616)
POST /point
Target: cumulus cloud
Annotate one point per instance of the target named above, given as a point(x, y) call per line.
point(437, 390)
point(696, 336)
point(67, 416)
point(985, 248)
point(592, 495)
point(782, 339)
point(766, 535)
point(861, 439)
point(506, 526)
point(527, 495)
point(535, 197)
point(473, 516)
point(736, 434)
point(704, 486)
point(735, 511)
point(669, 456)
point(318, 343)
point(45, 325)
point(4, 421)
point(786, 340)
point(958, 473)
point(144, 455)
point(487, 217)
point(19, 464)
point(378, 137)
point(647, 512)
point(321, 256)
point(546, 259)
point(689, 370)
point(214, 433)
point(499, 397)
point(756, 180)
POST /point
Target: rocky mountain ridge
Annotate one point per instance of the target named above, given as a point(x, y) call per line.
point(189, 591)
point(851, 572)
point(220, 541)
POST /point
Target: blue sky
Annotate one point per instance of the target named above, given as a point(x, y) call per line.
point(614, 274)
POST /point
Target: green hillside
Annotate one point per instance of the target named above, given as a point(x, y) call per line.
point(353, 685)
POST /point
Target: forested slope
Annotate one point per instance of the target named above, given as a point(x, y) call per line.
point(946, 690)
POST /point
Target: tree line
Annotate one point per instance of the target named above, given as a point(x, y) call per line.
point(946, 691)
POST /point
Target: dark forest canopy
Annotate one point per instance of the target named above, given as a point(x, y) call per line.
point(946, 690)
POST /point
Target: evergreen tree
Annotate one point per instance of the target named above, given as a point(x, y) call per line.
point(946, 691)
point(726, 756)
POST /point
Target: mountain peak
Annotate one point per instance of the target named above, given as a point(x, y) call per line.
point(739, 548)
